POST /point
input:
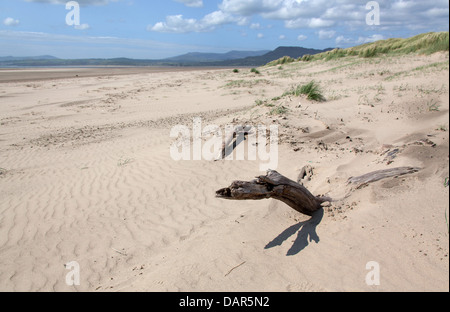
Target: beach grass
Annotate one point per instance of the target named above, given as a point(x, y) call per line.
point(311, 90)
point(427, 43)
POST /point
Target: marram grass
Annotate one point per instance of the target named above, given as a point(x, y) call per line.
point(427, 43)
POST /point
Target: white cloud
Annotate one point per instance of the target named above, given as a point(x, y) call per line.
point(178, 24)
point(282, 37)
point(318, 14)
point(192, 3)
point(249, 7)
point(302, 38)
point(373, 38)
point(260, 36)
point(326, 34)
point(255, 26)
point(342, 40)
point(319, 23)
point(346, 41)
point(9, 21)
point(82, 27)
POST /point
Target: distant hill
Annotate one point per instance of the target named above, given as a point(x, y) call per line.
point(214, 57)
point(232, 58)
point(293, 52)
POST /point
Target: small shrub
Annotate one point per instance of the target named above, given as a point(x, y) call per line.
point(254, 70)
point(236, 71)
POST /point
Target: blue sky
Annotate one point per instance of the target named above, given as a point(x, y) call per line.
point(157, 29)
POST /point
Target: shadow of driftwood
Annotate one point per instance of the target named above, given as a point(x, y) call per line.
point(235, 143)
point(306, 234)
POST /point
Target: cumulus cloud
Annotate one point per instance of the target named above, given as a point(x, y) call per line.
point(340, 15)
point(344, 41)
point(179, 24)
point(255, 26)
point(302, 38)
point(395, 14)
point(326, 34)
point(249, 7)
point(192, 3)
point(9, 21)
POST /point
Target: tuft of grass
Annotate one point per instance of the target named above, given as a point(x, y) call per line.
point(307, 58)
point(311, 90)
point(279, 110)
point(264, 103)
point(433, 106)
point(235, 70)
point(255, 71)
point(282, 61)
point(335, 54)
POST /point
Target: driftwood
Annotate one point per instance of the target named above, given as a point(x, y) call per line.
point(277, 186)
point(365, 179)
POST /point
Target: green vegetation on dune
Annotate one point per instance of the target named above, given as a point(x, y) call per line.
point(427, 43)
point(282, 61)
point(311, 90)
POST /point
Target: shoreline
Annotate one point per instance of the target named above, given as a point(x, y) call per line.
point(30, 74)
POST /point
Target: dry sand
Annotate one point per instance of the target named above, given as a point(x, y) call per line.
point(87, 176)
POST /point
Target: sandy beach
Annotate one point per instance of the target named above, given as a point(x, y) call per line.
point(86, 176)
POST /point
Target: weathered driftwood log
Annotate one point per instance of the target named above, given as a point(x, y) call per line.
point(371, 177)
point(277, 186)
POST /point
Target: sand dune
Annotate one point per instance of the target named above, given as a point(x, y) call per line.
point(86, 176)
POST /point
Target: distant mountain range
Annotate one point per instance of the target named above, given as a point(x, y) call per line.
point(197, 57)
point(232, 58)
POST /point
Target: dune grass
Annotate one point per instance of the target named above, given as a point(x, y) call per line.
point(311, 90)
point(282, 61)
point(427, 43)
point(279, 110)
